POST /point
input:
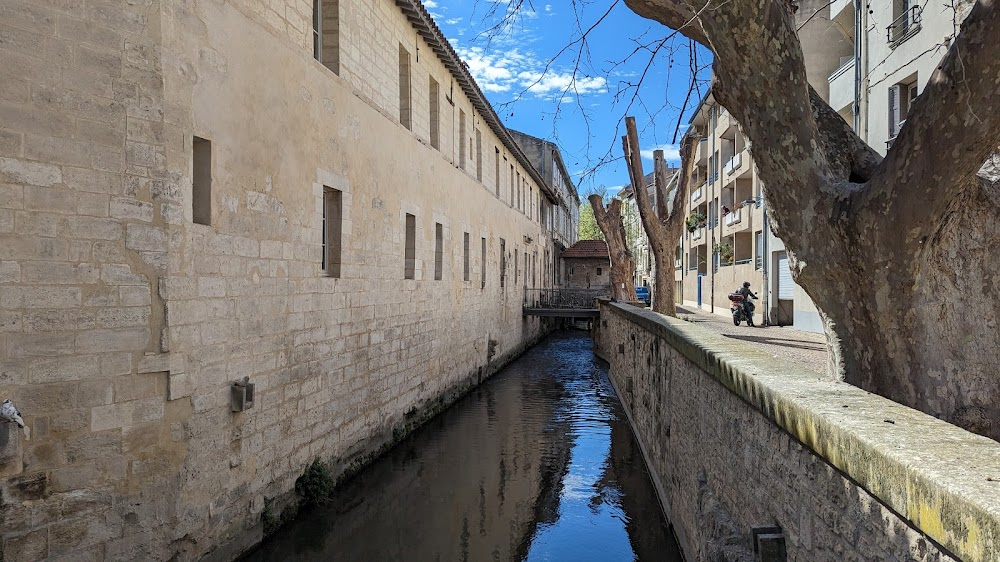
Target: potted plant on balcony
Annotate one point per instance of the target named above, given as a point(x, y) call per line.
point(725, 252)
point(695, 221)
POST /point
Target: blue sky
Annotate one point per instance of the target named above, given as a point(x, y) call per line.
point(581, 107)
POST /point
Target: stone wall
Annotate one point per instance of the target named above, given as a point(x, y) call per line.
point(736, 439)
point(123, 323)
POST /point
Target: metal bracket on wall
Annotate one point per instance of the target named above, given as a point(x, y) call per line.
point(768, 544)
point(242, 395)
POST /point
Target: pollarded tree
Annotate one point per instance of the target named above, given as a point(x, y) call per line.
point(897, 253)
point(622, 261)
point(663, 227)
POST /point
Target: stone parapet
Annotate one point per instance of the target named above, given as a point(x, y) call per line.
point(735, 439)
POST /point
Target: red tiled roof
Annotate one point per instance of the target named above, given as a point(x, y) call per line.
point(587, 249)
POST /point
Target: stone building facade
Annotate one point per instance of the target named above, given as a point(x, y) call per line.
point(588, 265)
point(196, 192)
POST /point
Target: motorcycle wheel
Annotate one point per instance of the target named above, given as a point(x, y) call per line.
point(736, 320)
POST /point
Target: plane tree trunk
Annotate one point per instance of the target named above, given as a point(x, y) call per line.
point(622, 261)
point(897, 253)
point(663, 227)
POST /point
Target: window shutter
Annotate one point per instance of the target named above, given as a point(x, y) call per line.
point(894, 111)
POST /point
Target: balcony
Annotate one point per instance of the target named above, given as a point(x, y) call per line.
point(734, 217)
point(697, 234)
point(698, 192)
point(837, 7)
point(842, 85)
point(734, 163)
point(701, 155)
point(904, 26)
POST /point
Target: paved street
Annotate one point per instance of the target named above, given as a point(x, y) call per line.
point(807, 349)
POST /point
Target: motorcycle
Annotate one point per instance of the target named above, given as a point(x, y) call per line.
point(739, 314)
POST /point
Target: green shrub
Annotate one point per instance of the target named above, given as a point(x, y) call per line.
point(316, 484)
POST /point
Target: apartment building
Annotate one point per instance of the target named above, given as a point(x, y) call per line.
point(234, 237)
point(728, 240)
point(889, 51)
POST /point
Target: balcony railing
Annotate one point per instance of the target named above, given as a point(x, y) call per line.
point(734, 163)
point(563, 298)
point(743, 261)
point(697, 193)
point(734, 217)
point(697, 233)
point(908, 22)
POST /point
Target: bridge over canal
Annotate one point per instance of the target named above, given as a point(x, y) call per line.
point(563, 303)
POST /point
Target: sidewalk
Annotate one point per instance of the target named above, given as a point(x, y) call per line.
point(806, 349)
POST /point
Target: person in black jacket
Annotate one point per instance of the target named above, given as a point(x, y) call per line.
point(747, 293)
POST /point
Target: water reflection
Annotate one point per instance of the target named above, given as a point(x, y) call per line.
point(539, 463)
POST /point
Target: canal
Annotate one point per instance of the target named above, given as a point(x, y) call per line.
point(538, 463)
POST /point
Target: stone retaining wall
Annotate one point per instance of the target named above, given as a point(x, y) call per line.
point(735, 439)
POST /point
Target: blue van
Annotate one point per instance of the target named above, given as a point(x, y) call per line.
point(644, 295)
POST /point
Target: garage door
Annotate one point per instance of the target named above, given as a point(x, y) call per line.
point(785, 284)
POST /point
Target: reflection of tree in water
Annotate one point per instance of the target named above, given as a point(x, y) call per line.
point(625, 470)
point(480, 481)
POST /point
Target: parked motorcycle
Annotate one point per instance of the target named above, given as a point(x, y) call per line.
point(739, 314)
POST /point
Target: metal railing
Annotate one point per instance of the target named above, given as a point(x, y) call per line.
point(734, 217)
point(907, 22)
point(734, 163)
point(696, 194)
point(564, 298)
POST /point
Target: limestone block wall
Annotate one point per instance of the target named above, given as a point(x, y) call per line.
point(735, 439)
point(123, 323)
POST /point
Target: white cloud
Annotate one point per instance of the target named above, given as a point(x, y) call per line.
point(512, 70)
point(548, 7)
point(452, 21)
point(430, 4)
point(670, 151)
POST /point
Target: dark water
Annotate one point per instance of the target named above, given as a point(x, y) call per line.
point(539, 463)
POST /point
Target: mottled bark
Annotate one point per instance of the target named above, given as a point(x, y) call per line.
point(895, 252)
point(663, 228)
point(622, 262)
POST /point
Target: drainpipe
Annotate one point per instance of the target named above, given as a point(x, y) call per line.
point(714, 122)
point(858, 71)
point(765, 262)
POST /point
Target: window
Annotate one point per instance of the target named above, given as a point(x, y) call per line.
point(511, 184)
point(479, 155)
point(405, 110)
point(465, 256)
point(461, 139)
point(482, 265)
point(333, 224)
point(410, 249)
point(519, 190)
point(201, 181)
point(599, 272)
point(496, 174)
point(434, 98)
point(906, 17)
point(438, 251)
point(901, 98)
point(503, 261)
point(326, 33)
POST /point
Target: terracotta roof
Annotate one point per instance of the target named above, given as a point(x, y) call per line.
point(587, 249)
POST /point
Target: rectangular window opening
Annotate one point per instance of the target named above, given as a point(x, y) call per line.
point(405, 109)
point(438, 251)
point(503, 262)
point(482, 265)
point(461, 139)
point(333, 225)
point(434, 98)
point(479, 156)
point(410, 249)
point(465, 256)
point(326, 33)
point(496, 174)
point(201, 184)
